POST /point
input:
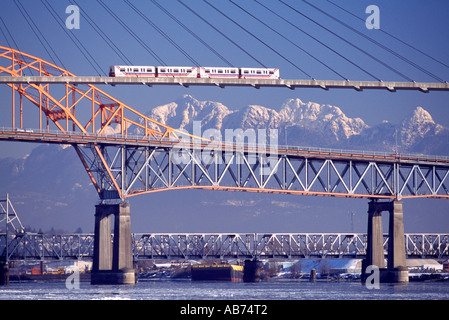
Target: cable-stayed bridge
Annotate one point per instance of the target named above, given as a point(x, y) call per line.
point(160, 157)
point(163, 158)
point(142, 155)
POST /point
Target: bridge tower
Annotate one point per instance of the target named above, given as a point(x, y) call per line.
point(396, 270)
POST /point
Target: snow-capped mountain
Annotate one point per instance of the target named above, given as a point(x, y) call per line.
point(181, 113)
point(311, 124)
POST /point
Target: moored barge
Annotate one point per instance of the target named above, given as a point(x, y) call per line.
point(219, 272)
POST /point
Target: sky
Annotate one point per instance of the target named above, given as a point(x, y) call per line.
point(421, 24)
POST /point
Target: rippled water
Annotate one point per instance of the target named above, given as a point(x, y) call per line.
point(188, 290)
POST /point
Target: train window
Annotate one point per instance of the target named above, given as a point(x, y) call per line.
point(258, 72)
point(162, 70)
point(122, 69)
point(136, 69)
point(271, 72)
point(175, 70)
point(233, 71)
point(220, 71)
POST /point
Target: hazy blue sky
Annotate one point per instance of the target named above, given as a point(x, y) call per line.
point(423, 24)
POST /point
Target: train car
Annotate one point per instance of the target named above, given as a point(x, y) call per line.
point(259, 73)
point(188, 72)
point(219, 72)
point(132, 71)
point(194, 72)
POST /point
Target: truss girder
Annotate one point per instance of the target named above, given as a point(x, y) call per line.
point(80, 108)
point(32, 246)
point(124, 170)
point(121, 171)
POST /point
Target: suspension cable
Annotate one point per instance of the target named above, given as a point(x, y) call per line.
point(317, 40)
point(104, 36)
point(36, 30)
point(285, 38)
point(257, 38)
point(393, 36)
point(15, 43)
point(377, 43)
point(12, 38)
point(77, 43)
point(348, 42)
point(192, 33)
point(133, 34)
point(162, 33)
point(221, 33)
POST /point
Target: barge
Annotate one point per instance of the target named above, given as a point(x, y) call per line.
point(219, 272)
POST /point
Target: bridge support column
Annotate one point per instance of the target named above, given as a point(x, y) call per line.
point(112, 261)
point(397, 267)
point(4, 273)
point(251, 271)
point(102, 259)
point(375, 246)
point(396, 270)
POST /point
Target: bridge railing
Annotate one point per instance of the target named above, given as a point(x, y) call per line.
point(36, 246)
point(243, 146)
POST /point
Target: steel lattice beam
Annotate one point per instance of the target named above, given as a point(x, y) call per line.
point(126, 171)
point(33, 246)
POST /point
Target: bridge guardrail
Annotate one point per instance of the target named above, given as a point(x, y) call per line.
point(180, 144)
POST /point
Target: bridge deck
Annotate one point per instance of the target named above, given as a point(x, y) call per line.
point(255, 83)
point(34, 135)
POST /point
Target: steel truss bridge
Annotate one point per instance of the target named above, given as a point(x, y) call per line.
point(141, 155)
point(126, 153)
point(122, 167)
point(44, 247)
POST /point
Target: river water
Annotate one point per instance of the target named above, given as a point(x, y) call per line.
point(190, 290)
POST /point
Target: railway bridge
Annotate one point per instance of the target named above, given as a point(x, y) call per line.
point(126, 154)
point(199, 246)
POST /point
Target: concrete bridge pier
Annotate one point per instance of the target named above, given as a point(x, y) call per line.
point(251, 271)
point(396, 270)
point(112, 260)
point(4, 273)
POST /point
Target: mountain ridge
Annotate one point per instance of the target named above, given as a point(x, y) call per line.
point(311, 124)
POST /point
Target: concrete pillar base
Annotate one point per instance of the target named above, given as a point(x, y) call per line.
point(396, 271)
point(394, 275)
point(4, 274)
point(113, 277)
point(251, 271)
point(113, 261)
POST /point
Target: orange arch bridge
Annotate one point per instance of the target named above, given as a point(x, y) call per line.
point(126, 153)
